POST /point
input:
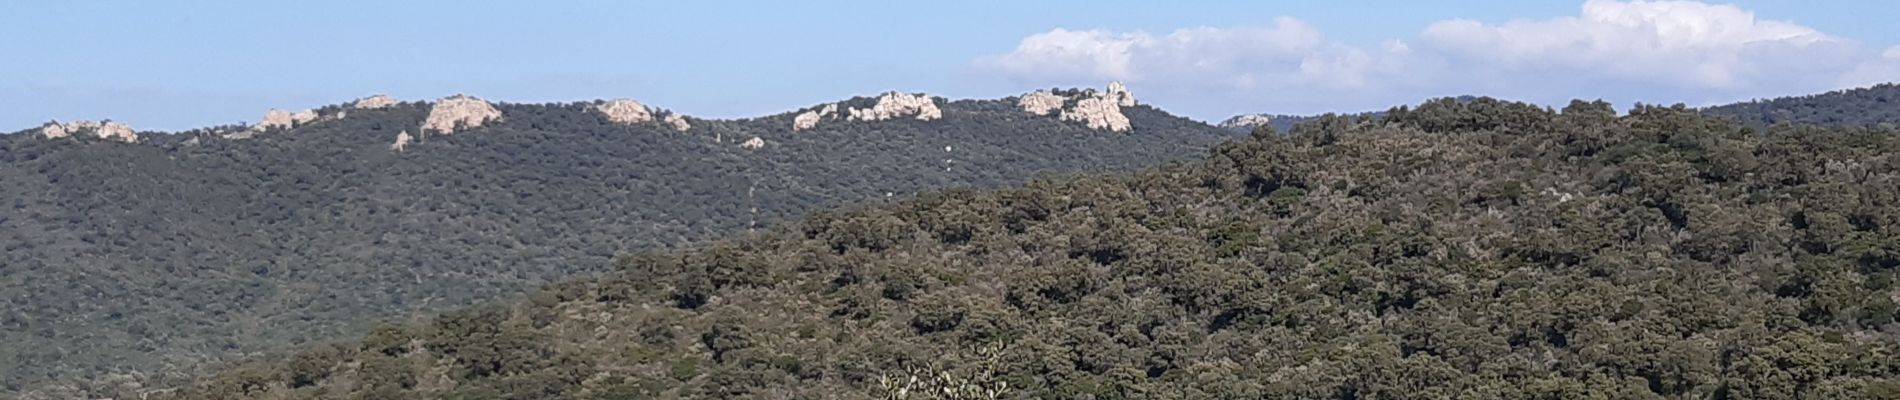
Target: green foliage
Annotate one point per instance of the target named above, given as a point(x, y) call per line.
point(156, 259)
point(1875, 106)
point(1475, 249)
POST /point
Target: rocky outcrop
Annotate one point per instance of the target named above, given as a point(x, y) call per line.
point(377, 101)
point(677, 121)
point(754, 143)
point(810, 118)
point(1120, 95)
point(1098, 113)
point(101, 129)
point(898, 105)
point(280, 119)
point(1041, 102)
point(625, 111)
point(1246, 121)
point(55, 130)
point(402, 141)
point(1097, 110)
point(459, 112)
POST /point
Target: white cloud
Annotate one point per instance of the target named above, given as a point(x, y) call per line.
point(1671, 42)
point(1626, 51)
point(1288, 50)
point(1881, 70)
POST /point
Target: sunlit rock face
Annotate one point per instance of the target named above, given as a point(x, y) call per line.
point(402, 141)
point(810, 118)
point(1246, 121)
point(459, 112)
point(1098, 113)
point(890, 105)
point(898, 105)
point(1120, 95)
point(280, 119)
point(625, 111)
point(373, 102)
point(1097, 110)
point(754, 143)
point(54, 130)
point(678, 122)
point(100, 129)
point(1041, 102)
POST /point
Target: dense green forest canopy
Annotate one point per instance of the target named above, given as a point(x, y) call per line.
point(128, 262)
point(1454, 250)
point(1870, 106)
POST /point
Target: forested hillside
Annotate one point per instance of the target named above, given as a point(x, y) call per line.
point(1871, 106)
point(1476, 250)
point(129, 262)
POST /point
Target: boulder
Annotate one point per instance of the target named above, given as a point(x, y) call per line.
point(459, 112)
point(376, 101)
point(678, 122)
point(625, 111)
point(897, 105)
point(1041, 102)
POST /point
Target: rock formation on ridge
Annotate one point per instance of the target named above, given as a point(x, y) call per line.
point(896, 105)
point(280, 119)
point(371, 102)
point(458, 112)
point(1041, 102)
point(1095, 109)
point(106, 129)
point(810, 118)
point(625, 111)
point(1246, 121)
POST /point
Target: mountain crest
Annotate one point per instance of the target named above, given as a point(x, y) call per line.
point(890, 105)
point(1097, 110)
point(105, 129)
point(1247, 121)
point(459, 112)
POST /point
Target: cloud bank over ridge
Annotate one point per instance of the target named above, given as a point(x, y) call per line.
point(1665, 51)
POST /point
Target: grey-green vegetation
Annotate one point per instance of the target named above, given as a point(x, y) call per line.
point(128, 263)
point(1454, 250)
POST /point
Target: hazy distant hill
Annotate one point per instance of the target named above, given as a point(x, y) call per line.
point(1454, 250)
point(1871, 106)
point(1283, 123)
point(128, 260)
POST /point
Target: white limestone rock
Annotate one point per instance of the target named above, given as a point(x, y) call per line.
point(1120, 94)
point(678, 122)
point(372, 102)
point(897, 105)
point(1098, 113)
point(280, 119)
point(1246, 121)
point(459, 112)
point(1097, 110)
point(625, 111)
point(1041, 102)
point(115, 131)
point(810, 118)
point(402, 141)
point(100, 129)
point(754, 143)
point(53, 130)
point(805, 120)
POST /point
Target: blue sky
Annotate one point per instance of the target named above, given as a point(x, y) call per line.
point(178, 65)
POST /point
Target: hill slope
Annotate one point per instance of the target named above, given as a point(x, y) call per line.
point(127, 262)
point(1456, 250)
point(1869, 106)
